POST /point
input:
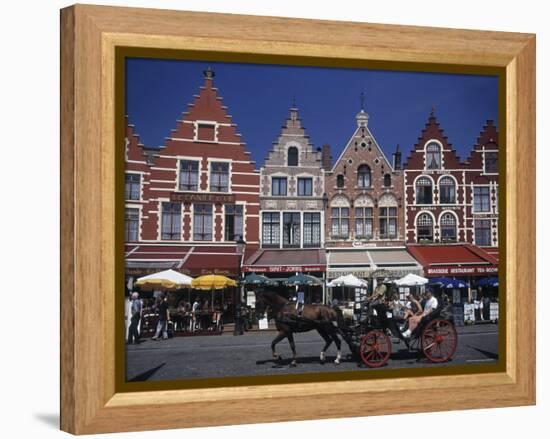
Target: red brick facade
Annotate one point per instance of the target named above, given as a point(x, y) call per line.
point(447, 200)
point(364, 191)
point(202, 180)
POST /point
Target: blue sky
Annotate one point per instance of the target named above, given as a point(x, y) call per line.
point(259, 98)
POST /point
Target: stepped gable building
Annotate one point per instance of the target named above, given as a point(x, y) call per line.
point(188, 201)
point(482, 181)
point(365, 218)
point(435, 193)
point(452, 206)
point(448, 201)
point(292, 209)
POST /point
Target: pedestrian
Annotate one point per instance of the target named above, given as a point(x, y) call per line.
point(300, 299)
point(164, 318)
point(194, 311)
point(135, 310)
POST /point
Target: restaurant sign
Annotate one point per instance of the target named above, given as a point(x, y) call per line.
point(454, 270)
point(193, 197)
point(282, 268)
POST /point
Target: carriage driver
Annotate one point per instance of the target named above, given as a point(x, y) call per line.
point(429, 307)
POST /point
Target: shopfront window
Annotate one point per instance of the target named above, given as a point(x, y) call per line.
point(312, 229)
point(171, 221)
point(271, 229)
point(202, 222)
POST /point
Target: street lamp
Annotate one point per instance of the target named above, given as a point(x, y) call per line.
point(325, 200)
point(240, 247)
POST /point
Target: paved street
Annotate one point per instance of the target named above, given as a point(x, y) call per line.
point(250, 354)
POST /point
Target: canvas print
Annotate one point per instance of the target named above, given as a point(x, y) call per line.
point(297, 220)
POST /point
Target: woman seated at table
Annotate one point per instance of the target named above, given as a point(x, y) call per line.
point(414, 320)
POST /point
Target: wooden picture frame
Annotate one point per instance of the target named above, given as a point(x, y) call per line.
point(91, 401)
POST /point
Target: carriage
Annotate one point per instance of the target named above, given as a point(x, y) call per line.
point(435, 337)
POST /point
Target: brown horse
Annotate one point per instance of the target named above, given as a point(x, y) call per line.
point(322, 318)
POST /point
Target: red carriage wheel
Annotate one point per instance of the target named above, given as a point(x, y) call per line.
point(439, 340)
point(375, 348)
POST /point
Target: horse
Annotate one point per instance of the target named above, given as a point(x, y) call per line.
point(324, 319)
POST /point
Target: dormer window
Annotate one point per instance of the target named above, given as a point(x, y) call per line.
point(363, 176)
point(206, 132)
point(433, 156)
point(292, 159)
point(491, 162)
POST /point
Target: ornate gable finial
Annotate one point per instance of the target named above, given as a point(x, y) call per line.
point(209, 73)
point(362, 100)
point(432, 113)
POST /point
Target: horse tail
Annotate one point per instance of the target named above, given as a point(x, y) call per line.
point(339, 316)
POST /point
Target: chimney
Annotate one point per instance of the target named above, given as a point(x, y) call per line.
point(326, 158)
point(397, 158)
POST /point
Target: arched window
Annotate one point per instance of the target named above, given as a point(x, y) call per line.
point(387, 180)
point(447, 191)
point(292, 156)
point(433, 156)
point(424, 191)
point(424, 228)
point(363, 176)
point(448, 227)
point(340, 181)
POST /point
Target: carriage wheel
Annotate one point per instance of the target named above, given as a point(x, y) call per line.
point(375, 348)
point(439, 340)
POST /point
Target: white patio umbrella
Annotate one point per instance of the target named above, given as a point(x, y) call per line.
point(349, 280)
point(164, 280)
point(411, 280)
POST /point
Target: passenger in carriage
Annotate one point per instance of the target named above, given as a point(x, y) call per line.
point(429, 307)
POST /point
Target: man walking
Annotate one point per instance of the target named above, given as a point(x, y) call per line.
point(135, 312)
point(164, 318)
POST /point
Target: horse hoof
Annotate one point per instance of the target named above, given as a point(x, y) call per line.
point(293, 364)
point(337, 362)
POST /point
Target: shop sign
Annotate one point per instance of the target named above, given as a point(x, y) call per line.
point(191, 197)
point(283, 268)
point(461, 271)
point(216, 271)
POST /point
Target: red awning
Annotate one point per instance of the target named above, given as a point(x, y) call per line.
point(286, 261)
point(455, 260)
point(193, 260)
